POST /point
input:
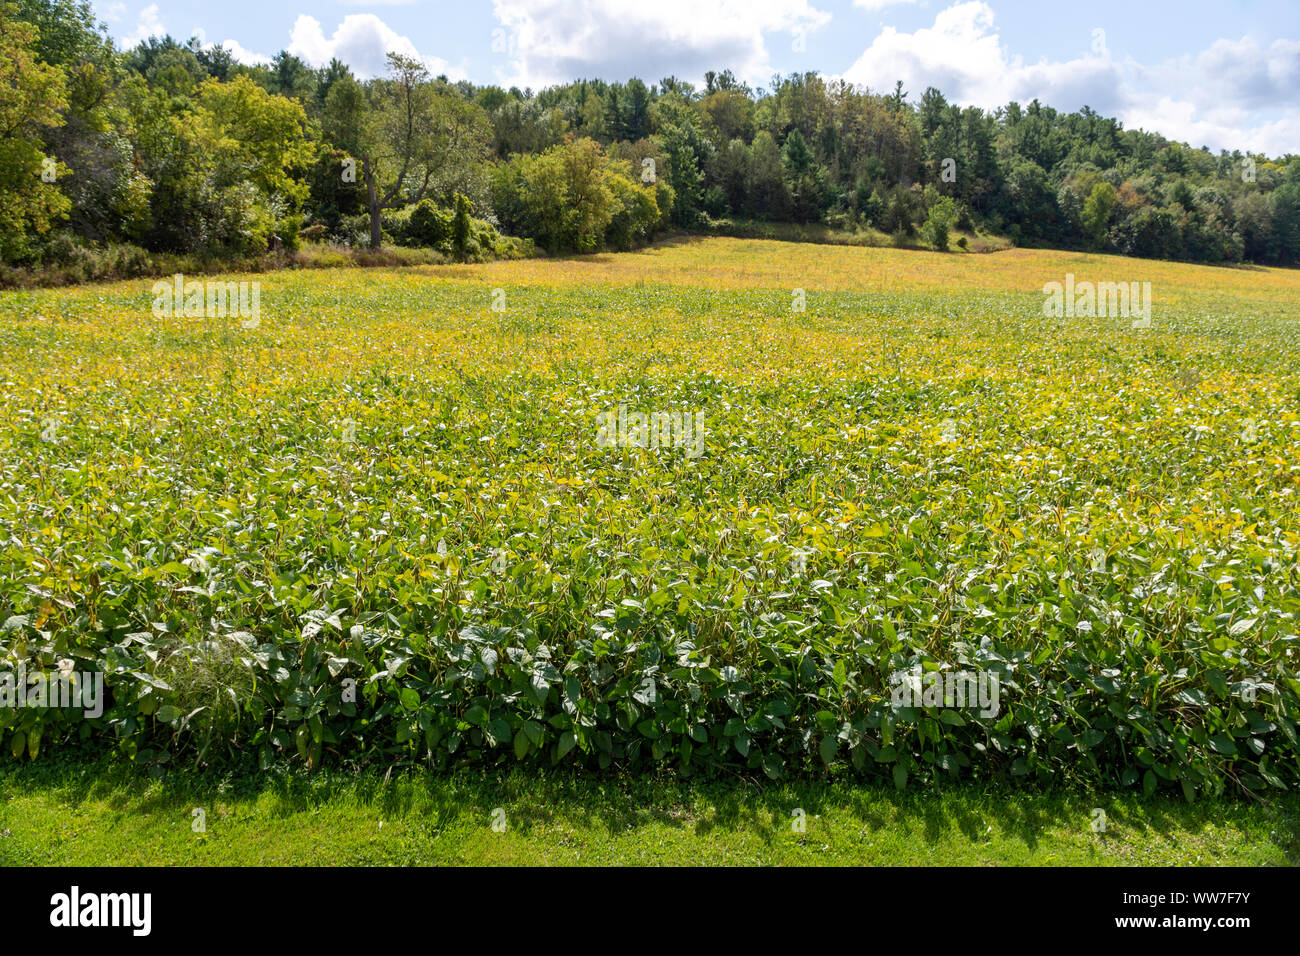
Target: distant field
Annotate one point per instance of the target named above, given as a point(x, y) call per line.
point(384, 524)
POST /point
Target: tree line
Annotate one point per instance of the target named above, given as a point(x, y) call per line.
point(175, 147)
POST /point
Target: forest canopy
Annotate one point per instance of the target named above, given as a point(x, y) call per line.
point(174, 147)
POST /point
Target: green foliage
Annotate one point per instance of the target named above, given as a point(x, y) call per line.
point(429, 225)
point(574, 198)
point(1097, 211)
point(34, 94)
point(902, 207)
point(501, 589)
point(805, 180)
point(460, 224)
point(684, 151)
point(263, 135)
point(939, 222)
point(176, 147)
point(332, 197)
point(410, 138)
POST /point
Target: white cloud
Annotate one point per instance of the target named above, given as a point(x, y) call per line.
point(244, 55)
point(875, 5)
point(148, 24)
point(550, 41)
point(1236, 73)
point(362, 41)
point(1235, 95)
point(115, 12)
point(236, 49)
point(963, 56)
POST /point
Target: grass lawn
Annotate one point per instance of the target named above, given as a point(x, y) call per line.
point(68, 812)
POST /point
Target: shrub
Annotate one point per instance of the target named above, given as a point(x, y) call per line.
point(715, 202)
point(637, 216)
point(394, 224)
point(460, 225)
point(353, 230)
point(572, 198)
point(943, 212)
point(429, 225)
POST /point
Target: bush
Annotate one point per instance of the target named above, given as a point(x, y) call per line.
point(353, 230)
point(460, 225)
point(637, 216)
point(943, 212)
point(287, 233)
point(394, 224)
point(715, 202)
point(429, 225)
point(573, 198)
point(870, 206)
point(65, 259)
point(455, 232)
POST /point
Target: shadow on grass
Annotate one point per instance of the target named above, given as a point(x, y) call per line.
point(619, 804)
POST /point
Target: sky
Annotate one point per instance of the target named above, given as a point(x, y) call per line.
point(1220, 74)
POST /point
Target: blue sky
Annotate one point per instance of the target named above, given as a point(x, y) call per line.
point(1226, 75)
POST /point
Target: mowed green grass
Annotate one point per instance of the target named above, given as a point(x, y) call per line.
point(70, 813)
